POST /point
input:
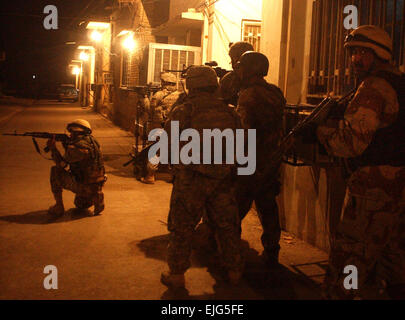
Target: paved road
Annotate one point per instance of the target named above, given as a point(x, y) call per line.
point(120, 254)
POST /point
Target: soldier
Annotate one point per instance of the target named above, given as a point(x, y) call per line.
point(200, 188)
point(164, 99)
point(370, 136)
point(161, 105)
point(80, 170)
point(230, 84)
point(260, 106)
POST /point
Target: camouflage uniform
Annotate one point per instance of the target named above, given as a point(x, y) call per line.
point(229, 87)
point(86, 176)
point(161, 104)
point(371, 233)
point(260, 106)
point(203, 188)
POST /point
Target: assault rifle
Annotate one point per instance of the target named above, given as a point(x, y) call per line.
point(319, 115)
point(61, 137)
point(182, 71)
point(147, 90)
point(218, 70)
point(140, 158)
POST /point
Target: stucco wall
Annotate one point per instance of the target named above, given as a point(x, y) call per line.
point(226, 26)
point(311, 197)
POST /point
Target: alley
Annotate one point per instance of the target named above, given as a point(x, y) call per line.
point(120, 254)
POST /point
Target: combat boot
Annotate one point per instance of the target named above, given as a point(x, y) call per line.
point(56, 210)
point(99, 204)
point(173, 280)
point(149, 179)
point(271, 259)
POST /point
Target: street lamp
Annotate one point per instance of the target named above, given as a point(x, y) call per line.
point(75, 70)
point(96, 36)
point(129, 43)
point(78, 69)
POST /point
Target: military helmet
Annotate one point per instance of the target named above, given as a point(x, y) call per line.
point(200, 77)
point(79, 125)
point(168, 77)
point(238, 48)
point(254, 63)
point(372, 37)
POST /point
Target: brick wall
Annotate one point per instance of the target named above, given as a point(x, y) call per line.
point(139, 17)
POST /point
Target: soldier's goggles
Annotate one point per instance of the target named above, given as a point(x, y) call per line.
point(361, 38)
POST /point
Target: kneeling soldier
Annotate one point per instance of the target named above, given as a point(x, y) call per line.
point(80, 170)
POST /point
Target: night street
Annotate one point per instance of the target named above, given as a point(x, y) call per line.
point(266, 135)
point(120, 254)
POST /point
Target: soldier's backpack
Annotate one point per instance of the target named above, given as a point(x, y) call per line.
point(207, 113)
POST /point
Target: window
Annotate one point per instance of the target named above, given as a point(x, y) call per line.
point(170, 57)
point(329, 63)
point(251, 32)
point(129, 69)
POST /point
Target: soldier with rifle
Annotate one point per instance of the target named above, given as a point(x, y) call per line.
point(160, 106)
point(260, 106)
point(370, 137)
point(80, 169)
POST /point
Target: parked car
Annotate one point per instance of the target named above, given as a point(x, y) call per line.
point(68, 92)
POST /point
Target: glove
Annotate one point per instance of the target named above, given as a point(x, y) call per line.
point(51, 143)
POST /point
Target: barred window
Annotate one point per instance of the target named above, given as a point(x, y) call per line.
point(129, 69)
point(170, 57)
point(251, 32)
point(330, 70)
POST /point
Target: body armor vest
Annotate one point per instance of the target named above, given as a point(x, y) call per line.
point(388, 144)
point(90, 170)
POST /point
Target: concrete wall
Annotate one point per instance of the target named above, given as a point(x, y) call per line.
point(179, 6)
point(223, 24)
point(226, 26)
point(141, 19)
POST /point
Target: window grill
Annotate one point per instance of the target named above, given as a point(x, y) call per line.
point(129, 69)
point(251, 32)
point(330, 70)
point(170, 57)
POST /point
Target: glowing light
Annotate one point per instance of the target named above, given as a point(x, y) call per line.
point(98, 25)
point(129, 43)
point(96, 36)
point(84, 56)
point(76, 70)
